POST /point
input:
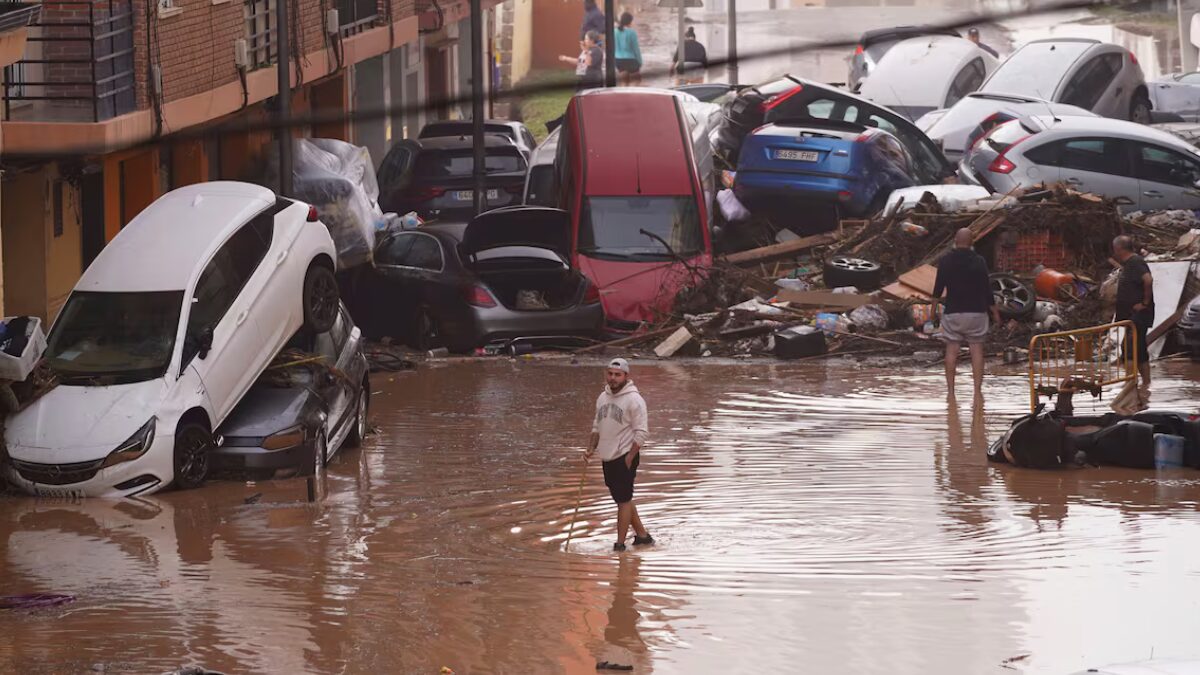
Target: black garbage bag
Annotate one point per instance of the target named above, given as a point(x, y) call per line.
point(1036, 441)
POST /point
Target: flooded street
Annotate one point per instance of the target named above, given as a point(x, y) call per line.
point(810, 518)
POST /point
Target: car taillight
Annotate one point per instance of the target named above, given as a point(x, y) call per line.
point(313, 216)
point(592, 295)
point(990, 122)
point(478, 296)
point(858, 50)
point(1133, 58)
point(777, 99)
point(864, 136)
point(845, 195)
point(421, 194)
point(1001, 165)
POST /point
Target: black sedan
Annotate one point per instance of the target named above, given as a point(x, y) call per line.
point(503, 276)
point(294, 419)
point(434, 176)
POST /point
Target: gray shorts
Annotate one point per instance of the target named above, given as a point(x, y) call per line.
point(969, 327)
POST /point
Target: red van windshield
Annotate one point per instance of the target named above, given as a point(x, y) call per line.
point(613, 227)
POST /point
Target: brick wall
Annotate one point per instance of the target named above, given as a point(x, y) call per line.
point(64, 44)
point(194, 47)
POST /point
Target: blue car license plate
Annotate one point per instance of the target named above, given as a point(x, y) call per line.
point(797, 155)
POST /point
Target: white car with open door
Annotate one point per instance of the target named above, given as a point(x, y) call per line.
point(164, 334)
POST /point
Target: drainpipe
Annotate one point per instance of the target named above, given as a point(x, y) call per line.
point(284, 97)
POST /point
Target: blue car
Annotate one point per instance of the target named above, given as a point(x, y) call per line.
point(807, 174)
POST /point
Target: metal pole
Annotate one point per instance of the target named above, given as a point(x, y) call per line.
point(680, 53)
point(480, 193)
point(284, 97)
point(731, 28)
point(610, 44)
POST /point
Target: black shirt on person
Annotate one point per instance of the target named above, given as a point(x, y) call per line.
point(1131, 290)
point(963, 274)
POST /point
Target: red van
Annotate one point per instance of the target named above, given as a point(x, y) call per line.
point(627, 173)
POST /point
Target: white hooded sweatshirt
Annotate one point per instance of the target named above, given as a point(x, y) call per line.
point(620, 421)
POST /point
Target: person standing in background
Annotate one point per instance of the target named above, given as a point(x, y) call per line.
point(593, 20)
point(628, 52)
point(1135, 302)
point(690, 60)
point(973, 36)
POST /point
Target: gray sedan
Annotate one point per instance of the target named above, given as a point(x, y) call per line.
point(294, 420)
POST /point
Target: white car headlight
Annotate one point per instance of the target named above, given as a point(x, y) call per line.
point(134, 447)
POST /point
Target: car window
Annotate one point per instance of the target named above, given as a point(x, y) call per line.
point(1161, 165)
point(412, 250)
point(395, 162)
point(1190, 78)
point(541, 186)
point(1091, 81)
point(222, 280)
point(828, 109)
point(529, 140)
point(457, 163)
point(1037, 68)
point(967, 81)
point(1098, 155)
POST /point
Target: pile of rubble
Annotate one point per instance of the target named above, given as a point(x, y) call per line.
point(866, 289)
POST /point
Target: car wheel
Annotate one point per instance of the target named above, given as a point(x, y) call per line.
point(359, 431)
point(193, 448)
point(1014, 299)
point(428, 335)
point(847, 271)
point(1139, 110)
point(321, 298)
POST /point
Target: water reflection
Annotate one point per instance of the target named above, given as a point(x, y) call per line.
point(816, 518)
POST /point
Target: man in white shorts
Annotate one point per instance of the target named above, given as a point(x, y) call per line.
point(963, 275)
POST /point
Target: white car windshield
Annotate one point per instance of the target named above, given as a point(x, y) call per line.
point(1036, 69)
point(115, 338)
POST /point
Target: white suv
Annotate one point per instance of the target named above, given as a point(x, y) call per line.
point(164, 334)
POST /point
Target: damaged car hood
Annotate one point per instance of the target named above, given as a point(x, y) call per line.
point(638, 291)
point(69, 421)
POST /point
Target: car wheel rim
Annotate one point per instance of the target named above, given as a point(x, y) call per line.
point(194, 464)
point(324, 299)
point(852, 264)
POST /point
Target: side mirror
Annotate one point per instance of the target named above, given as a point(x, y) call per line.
point(204, 343)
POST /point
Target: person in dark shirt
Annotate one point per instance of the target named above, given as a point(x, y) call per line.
point(593, 20)
point(690, 60)
point(963, 275)
point(1135, 302)
point(973, 36)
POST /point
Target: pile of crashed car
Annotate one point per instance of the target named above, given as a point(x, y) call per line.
point(792, 217)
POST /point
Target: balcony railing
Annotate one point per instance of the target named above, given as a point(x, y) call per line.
point(356, 16)
point(78, 64)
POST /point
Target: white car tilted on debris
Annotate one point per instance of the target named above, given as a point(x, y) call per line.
point(164, 334)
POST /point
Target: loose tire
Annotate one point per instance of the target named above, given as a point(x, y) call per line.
point(1013, 298)
point(847, 271)
point(320, 298)
point(1139, 109)
point(193, 450)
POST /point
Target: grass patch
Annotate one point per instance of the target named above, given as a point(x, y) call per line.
point(537, 109)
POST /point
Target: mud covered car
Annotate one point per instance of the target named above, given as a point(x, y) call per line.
point(296, 418)
point(506, 274)
point(163, 335)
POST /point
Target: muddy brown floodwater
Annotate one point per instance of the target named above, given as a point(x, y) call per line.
point(817, 519)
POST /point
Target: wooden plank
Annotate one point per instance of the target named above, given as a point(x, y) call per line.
point(632, 339)
point(674, 342)
point(824, 299)
point(921, 278)
point(777, 251)
point(904, 292)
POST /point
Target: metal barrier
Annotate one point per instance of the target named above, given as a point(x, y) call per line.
point(1085, 359)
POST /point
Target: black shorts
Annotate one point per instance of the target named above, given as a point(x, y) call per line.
point(1141, 323)
point(619, 478)
point(628, 65)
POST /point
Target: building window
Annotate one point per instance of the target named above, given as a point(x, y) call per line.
point(355, 16)
point(260, 32)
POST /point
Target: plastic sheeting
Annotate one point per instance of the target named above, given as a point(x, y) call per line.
point(339, 179)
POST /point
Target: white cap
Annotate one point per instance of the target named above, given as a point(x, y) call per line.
point(619, 364)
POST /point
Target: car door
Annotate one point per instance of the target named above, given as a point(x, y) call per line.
point(221, 307)
point(1167, 178)
point(1093, 86)
point(414, 265)
point(1091, 164)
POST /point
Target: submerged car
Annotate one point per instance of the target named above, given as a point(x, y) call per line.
point(294, 420)
point(504, 275)
point(1103, 78)
point(822, 169)
point(792, 99)
point(435, 176)
point(959, 128)
point(516, 132)
point(874, 44)
point(1150, 169)
point(923, 74)
point(163, 335)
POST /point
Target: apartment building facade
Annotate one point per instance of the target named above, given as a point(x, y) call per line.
point(116, 102)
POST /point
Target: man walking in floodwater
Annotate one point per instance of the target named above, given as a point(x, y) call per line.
point(1135, 302)
point(963, 275)
point(618, 433)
